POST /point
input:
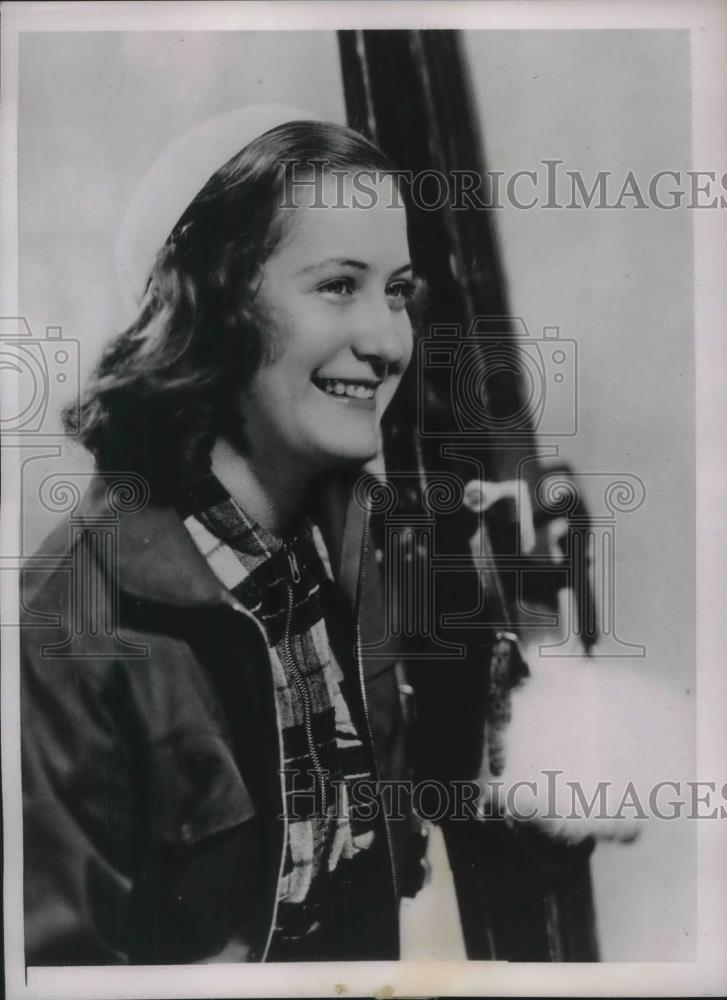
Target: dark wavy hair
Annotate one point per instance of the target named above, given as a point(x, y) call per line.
point(165, 387)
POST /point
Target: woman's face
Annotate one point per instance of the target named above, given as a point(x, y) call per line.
point(332, 297)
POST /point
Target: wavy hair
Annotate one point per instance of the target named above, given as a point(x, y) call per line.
point(165, 387)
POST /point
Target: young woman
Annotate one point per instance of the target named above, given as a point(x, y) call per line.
point(200, 777)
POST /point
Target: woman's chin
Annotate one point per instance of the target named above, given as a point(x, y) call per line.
point(346, 454)
point(354, 458)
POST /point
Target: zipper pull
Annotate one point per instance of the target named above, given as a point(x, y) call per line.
point(293, 563)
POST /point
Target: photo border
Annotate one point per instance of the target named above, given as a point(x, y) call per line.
point(707, 22)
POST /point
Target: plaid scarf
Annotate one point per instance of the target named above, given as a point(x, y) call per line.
point(282, 582)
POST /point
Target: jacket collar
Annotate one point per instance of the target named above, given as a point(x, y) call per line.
point(155, 556)
point(157, 560)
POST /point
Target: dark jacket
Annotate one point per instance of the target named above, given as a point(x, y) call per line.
point(152, 807)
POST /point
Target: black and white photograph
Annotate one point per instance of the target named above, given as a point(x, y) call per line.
point(363, 407)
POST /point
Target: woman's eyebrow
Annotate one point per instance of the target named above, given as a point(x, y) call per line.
point(348, 262)
point(338, 261)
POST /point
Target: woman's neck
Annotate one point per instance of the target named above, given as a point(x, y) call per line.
point(271, 493)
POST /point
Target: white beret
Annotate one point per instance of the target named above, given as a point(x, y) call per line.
point(176, 177)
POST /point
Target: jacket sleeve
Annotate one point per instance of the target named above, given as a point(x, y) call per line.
point(77, 804)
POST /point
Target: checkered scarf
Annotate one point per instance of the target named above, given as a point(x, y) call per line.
point(282, 584)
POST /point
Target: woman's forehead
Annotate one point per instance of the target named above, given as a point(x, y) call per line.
point(339, 213)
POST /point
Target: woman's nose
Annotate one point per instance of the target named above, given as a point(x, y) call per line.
point(384, 337)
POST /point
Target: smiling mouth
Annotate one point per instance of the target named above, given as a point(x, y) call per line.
point(344, 391)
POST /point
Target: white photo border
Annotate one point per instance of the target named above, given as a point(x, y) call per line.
point(707, 23)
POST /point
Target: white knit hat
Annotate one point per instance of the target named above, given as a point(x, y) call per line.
point(176, 177)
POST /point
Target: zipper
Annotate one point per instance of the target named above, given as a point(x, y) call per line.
point(362, 684)
point(304, 693)
point(242, 610)
point(293, 563)
point(301, 686)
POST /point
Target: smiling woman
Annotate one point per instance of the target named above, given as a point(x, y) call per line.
point(333, 294)
point(191, 774)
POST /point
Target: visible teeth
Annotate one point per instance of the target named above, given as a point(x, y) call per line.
point(353, 389)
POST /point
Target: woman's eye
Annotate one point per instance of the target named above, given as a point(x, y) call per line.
point(400, 292)
point(337, 286)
